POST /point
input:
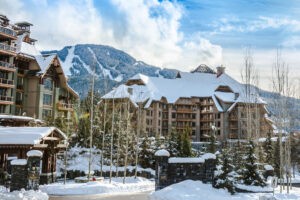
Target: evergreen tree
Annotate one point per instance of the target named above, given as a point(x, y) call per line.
point(145, 155)
point(224, 176)
point(277, 158)
point(172, 143)
point(186, 147)
point(269, 151)
point(250, 175)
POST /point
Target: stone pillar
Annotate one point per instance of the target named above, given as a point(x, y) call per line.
point(161, 169)
point(18, 174)
point(34, 168)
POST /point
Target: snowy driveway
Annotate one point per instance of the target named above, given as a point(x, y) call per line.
point(134, 196)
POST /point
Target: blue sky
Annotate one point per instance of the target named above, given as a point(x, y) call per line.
point(175, 34)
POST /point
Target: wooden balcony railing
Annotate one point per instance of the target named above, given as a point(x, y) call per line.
point(6, 100)
point(65, 106)
point(8, 48)
point(6, 83)
point(8, 66)
point(8, 31)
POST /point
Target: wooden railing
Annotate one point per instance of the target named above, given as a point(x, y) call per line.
point(6, 81)
point(7, 47)
point(8, 31)
point(7, 65)
point(5, 98)
point(64, 106)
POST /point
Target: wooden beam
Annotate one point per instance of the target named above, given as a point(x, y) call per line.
point(51, 138)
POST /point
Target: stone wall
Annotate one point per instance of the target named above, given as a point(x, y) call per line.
point(19, 176)
point(169, 173)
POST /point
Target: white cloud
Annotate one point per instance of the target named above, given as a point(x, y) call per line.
point(154, 39)
point(233, 24)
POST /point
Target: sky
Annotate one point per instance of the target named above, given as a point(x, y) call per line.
point(172, 34)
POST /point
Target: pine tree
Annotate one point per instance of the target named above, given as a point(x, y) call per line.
point(224, 176)
point(250, 174)
point(172, 144)
point(186, 150)
point(268, 148)
point(145, 154)
point(277, 158)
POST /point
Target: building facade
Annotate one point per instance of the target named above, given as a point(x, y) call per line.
point(31, 84)
point(204, 101)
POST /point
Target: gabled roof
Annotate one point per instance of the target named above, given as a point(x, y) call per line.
point(27, 135)
point(203, 69)
point(45, 61)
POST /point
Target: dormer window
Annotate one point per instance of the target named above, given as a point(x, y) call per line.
point(48, 84)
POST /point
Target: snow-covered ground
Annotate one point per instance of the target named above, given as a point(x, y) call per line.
point(194, 190)
point(115, 187)
point(22, 195)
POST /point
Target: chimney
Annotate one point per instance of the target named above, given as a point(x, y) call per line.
point(220, 70)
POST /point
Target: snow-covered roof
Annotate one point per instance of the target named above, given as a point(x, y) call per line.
point(26, 135)
point(33, 153)
point(44, 61)
point(186, 160)
point(189, 85)
point(162, 152)
point(26, 48)
point(23, 118)
point(18, 162)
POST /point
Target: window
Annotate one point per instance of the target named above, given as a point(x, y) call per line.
point(2, 108)
point(19, 98)
point(20, 82)
point(46, 113)
point(47, 99)
point(48, 84)
point(173, 115)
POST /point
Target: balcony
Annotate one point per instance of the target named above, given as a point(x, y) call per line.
point(7, 66)
point(207, 119)
point(6, 100)
point(207, 111)
point(7, 33)
point(7, 49)
point(65, 107)
point(5, 83)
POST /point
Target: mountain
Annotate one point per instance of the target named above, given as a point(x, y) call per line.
point(112, 67)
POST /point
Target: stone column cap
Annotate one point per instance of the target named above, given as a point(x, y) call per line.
point(162, 152)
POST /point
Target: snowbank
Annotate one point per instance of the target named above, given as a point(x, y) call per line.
point(22, 195)
point(183, 190)
point(132, 185)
